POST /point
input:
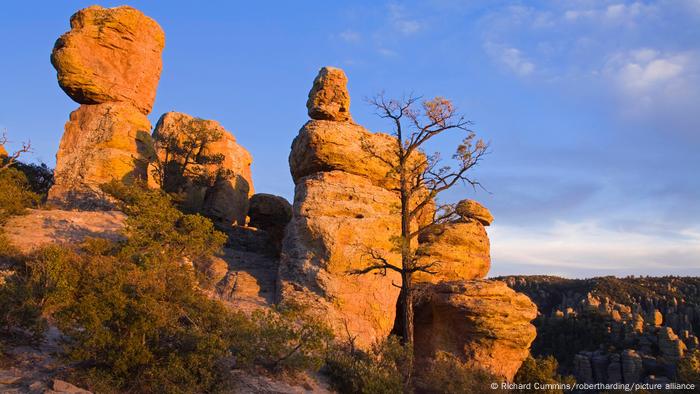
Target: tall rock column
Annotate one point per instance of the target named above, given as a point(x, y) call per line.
point(341, 211)
point(110, 63)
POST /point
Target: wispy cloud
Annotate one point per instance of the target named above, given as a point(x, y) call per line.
point(574, 248)
point(350, 36)
point(401, 22)
point(511, 58)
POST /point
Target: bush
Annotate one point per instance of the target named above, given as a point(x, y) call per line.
point(544, 371)
point(448, 374)
point(284, 339)
point(689, 368)
point(157, 231)
point(15, 193)
point(384, 369)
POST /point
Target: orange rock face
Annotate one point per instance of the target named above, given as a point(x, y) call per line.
point(110, 55)
point(470, 209)
point(460, 251)
point(101, 143)
point(337, 216)
point(483, 322)
point(329, 98)
point(227, 200)
point(3, 152)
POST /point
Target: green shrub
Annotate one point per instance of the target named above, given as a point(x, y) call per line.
point(385, 368)
point(15, 193)
point(543, 371)
point(287, 339)
point(448, 374)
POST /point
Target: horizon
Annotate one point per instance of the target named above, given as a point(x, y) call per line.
point(593, 144)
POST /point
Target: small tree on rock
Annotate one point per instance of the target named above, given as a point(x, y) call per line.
point(419, 178)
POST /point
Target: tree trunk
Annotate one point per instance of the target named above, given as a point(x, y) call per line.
point(406, 303)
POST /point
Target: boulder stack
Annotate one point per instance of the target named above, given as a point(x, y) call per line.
point(110, 63)
point(341, 212)
point(345, 213)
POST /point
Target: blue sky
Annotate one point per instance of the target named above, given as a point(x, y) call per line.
point(592, 107)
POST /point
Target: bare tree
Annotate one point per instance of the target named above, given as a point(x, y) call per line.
point(11, 159)
point(418, 179)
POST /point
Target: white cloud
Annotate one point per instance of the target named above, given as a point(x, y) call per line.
point(617, 13)
point(511, 58)
point(572, 248)
point(350, 36)
point(648, 78)
point(401, 22)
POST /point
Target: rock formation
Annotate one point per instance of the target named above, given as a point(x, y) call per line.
point(340, 211)
point(226, 199)
point(483, 322)
point(109, 62)
point(3, 152)
point(344, 210)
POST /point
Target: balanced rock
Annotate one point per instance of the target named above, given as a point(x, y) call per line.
point(270, 213)
point(110, 55)
point(226, 200)
point(458, 251)
point(483, 322)
point(329, 98)
point(101, 143)
point(470, 209)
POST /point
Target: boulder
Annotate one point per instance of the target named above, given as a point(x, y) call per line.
point(226, 200)
point(270, 213)
point(583, 371)
point(110, 55)
point(632, 367)
point(460, 251)
point(470, 209)
point(483, 322)
point(101, 143)
point(671, 347)
point(329, 98)
point(343, 146)
point(325, 242)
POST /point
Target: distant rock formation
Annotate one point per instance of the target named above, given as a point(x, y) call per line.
point(110, 62)
point(615, 330)
point(483, 322)
point(225, 201)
